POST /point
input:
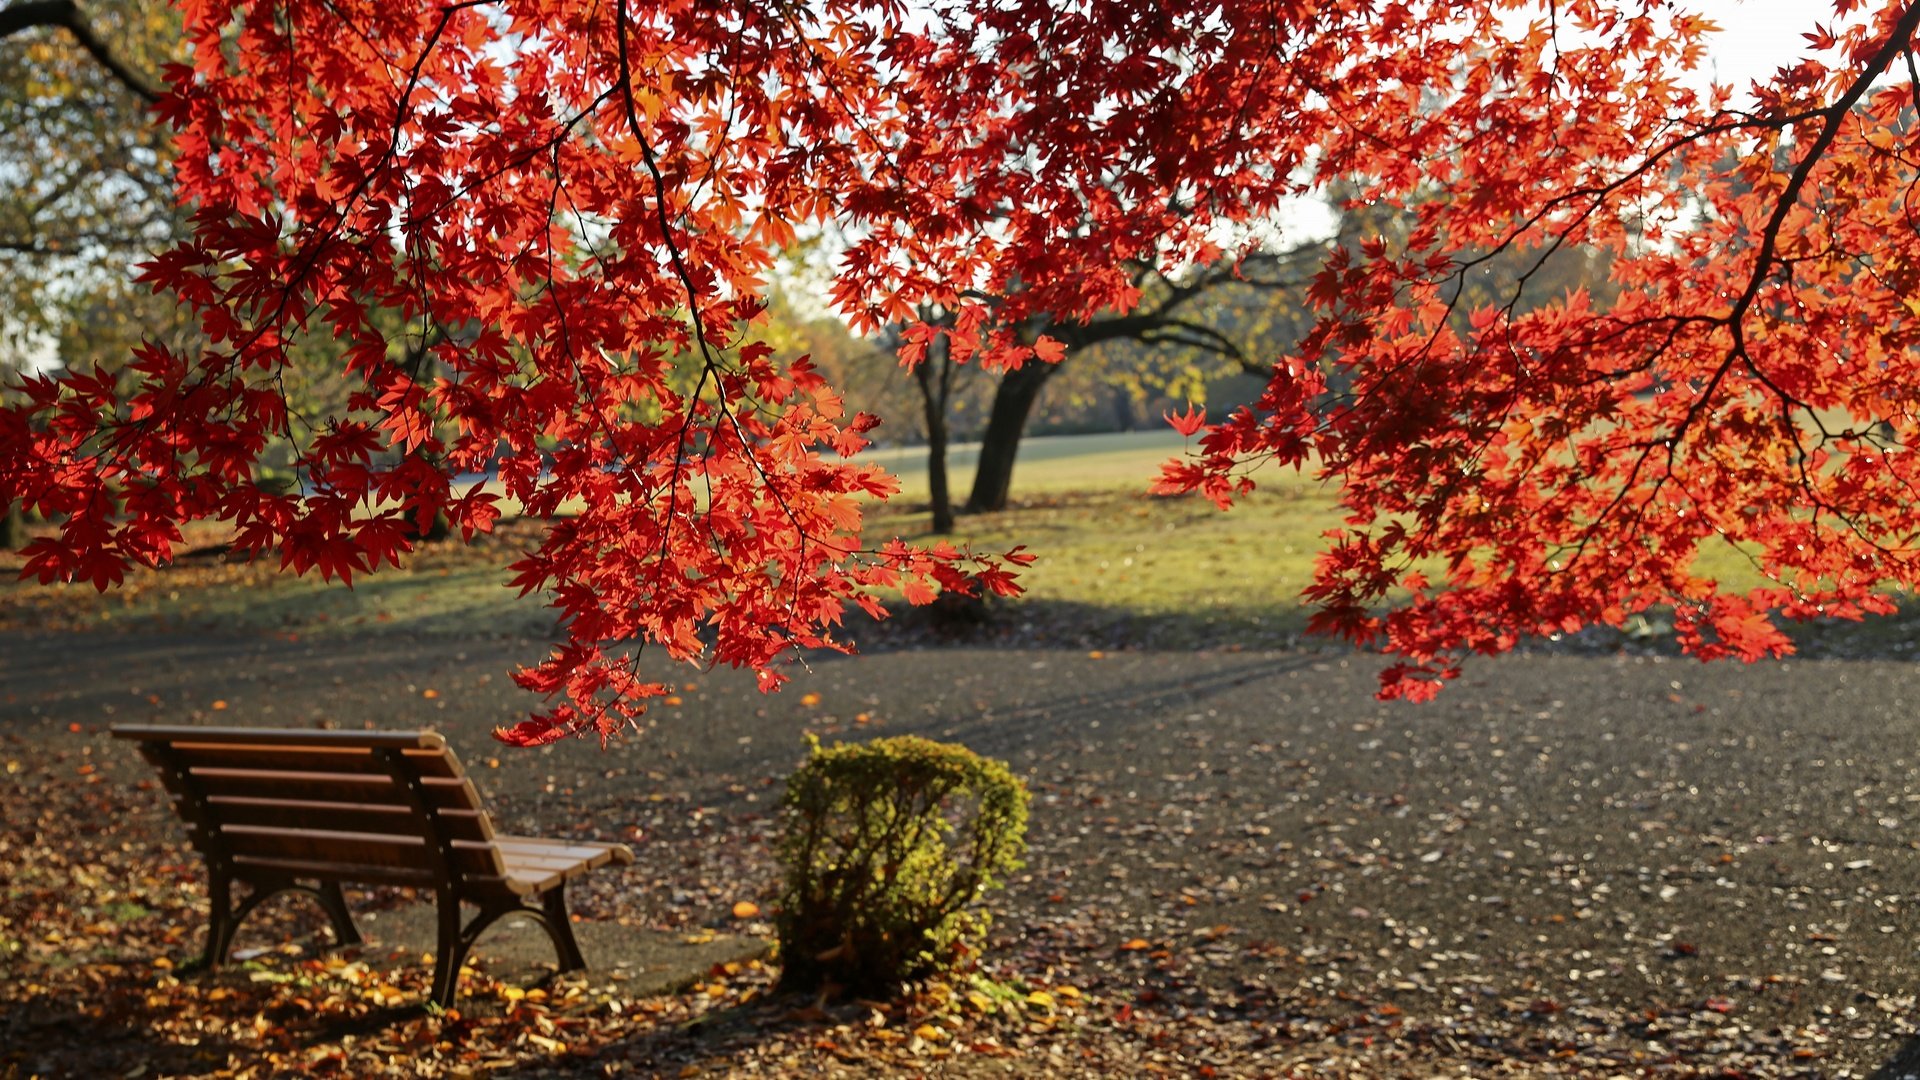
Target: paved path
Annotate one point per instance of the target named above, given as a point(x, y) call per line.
point(1612, 834)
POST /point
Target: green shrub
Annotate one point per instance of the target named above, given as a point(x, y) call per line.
point(886, 847)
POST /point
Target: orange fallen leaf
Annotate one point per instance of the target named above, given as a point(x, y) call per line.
point(672, 699)
point(429, 694)
point(809, 699)
point(219, 705)
point(746, 909)
point(1136, 945)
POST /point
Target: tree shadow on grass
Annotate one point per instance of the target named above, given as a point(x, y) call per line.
point(1121, 706)
point(1027, 622)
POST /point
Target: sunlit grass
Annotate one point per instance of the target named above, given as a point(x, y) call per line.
point(1169, 571)
point(1123, 555)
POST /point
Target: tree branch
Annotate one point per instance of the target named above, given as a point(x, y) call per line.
point(68, 15)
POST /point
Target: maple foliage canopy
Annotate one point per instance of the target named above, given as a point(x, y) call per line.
point(534, 235)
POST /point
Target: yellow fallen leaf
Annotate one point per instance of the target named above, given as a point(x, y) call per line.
point(980, 1001)
point(1040, 998)
point(809, 699)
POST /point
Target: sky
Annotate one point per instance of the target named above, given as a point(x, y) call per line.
point(1757, 36)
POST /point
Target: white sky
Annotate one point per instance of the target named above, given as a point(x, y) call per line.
point(1758, 36)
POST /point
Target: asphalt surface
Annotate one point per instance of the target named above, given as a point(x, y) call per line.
point(1607, 834)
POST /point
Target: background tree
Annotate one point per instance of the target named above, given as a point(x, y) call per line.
point(1178, 317)
point(1751, 384)
point(602, 190)
point(87, 192)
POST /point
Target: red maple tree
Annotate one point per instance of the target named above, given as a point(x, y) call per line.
point(1753, 385)
point(534, 234)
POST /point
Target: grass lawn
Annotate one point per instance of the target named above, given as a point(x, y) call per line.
point(1112, 561)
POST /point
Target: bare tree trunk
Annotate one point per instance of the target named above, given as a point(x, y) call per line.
point(13, 529)
point(440, 529)
point(935, 388)
point(1013, 402)
point(1123, 417)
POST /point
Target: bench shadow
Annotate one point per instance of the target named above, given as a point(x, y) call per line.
point(656, 1048)
point(1904, 1065)
point(48, 1033)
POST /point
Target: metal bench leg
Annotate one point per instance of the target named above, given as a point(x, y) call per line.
point(335, 901)
point(450, 952)
point(560, 928)
point(222, 923)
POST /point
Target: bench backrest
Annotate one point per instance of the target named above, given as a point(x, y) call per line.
point(377, 806)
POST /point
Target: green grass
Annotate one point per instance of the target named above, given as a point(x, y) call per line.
point(1111, 559)
point(1047, 465)
point(1197, 575)
point(445, 589)
point(1179, 571)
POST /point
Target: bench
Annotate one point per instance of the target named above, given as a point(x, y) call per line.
point(283, 810)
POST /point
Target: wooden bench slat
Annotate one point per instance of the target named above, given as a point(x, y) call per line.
point(318, 759)
point(517, 863)
point(333, 787)
point(331, 871)
point(528, 881)
point(397, 740)
point(311, 787)
point(515, 849)
point(354, 849)
point(497, 885)
point(346, 817)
